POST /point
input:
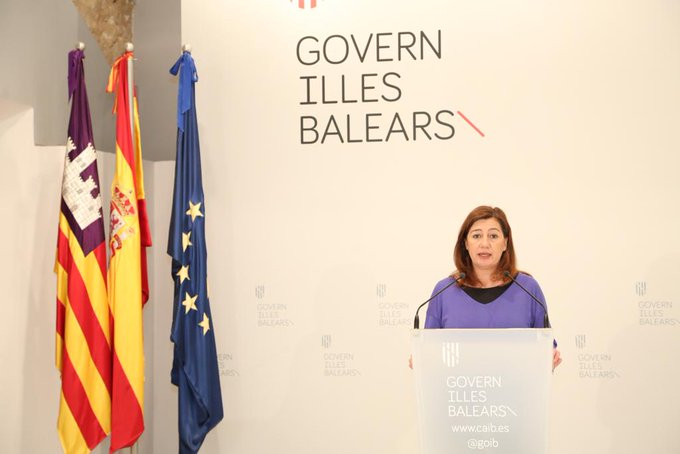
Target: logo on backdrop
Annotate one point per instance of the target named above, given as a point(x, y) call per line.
point(450, 353)
point(268, 313)
point(226, 365)
point(593, 365)
point(343, 106)
point(337, 363)
point(391, 313)
point(381, 290)
point(302, 4)
point(580, 341)
point(654, 312)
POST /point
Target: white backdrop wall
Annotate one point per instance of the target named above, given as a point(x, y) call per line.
point(28, 30)
point(29, 379)
point(319, 253)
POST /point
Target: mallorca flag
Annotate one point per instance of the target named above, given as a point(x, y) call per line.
point(194, 368)
point(128, 285)
point(83, 347)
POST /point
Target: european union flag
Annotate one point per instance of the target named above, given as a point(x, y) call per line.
point(194, 368)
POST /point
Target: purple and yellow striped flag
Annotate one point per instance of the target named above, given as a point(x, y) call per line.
point(128, 285)
point(83, 342)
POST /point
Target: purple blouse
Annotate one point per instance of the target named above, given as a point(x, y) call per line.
point(513, 309)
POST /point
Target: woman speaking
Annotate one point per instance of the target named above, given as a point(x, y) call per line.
point(490, 292)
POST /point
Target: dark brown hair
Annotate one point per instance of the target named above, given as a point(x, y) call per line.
point(461, 256)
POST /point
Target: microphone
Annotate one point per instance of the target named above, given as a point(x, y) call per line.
point(416, 320)
point(546, 322)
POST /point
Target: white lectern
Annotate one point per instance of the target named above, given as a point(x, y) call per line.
point(483, 389)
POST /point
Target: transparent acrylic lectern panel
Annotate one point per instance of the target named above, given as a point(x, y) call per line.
point(483, 389)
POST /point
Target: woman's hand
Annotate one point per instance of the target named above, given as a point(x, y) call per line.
point(557, 358)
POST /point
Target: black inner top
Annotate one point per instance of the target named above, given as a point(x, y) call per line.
point(486, 295)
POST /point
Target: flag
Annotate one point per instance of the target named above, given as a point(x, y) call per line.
point(194, 367)
point(83, 342)
point(127, 277)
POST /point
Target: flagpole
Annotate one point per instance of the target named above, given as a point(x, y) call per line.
point(131, 93)
point(129, 47)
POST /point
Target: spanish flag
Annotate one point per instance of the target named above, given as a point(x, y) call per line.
point(83, 339)
point(127, 277)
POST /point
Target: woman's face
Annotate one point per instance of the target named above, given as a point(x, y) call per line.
point(486, 243)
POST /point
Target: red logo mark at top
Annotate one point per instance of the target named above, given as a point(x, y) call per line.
point(306, 3)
